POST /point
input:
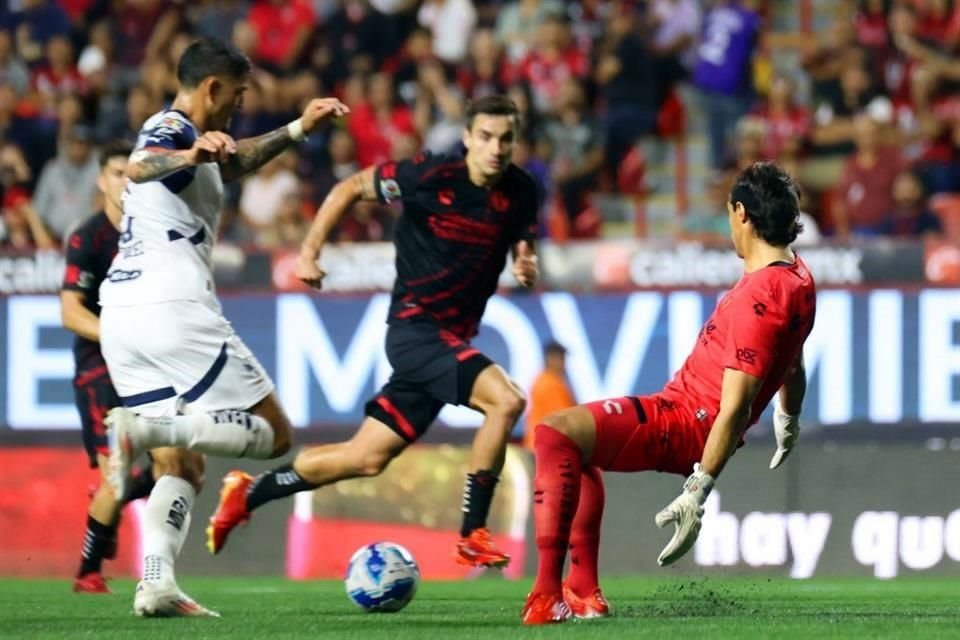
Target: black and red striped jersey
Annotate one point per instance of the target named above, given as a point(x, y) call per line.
point(89, 252)
point(453, 237)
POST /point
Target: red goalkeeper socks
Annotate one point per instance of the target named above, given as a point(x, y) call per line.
point(556, 492)
point(585, 533)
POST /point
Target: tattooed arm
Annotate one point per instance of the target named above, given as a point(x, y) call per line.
point(253, 153)
point(158, 162)
point(236, 159)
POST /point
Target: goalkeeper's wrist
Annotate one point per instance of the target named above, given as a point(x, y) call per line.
point(295, 130)
point(699, 484)
point(780, 408)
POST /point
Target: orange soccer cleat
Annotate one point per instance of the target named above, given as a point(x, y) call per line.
point(479, 550)
point(593, 606)
point(91, 583)
point(231, 510)
point(545, 608)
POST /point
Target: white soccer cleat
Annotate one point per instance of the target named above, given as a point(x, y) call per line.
point(120, 423)
point(167, 601)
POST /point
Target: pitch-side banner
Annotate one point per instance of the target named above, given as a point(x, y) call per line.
point(882, 356)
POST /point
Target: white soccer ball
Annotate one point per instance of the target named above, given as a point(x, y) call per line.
point(382, 577)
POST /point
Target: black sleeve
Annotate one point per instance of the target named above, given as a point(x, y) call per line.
point(527, 226)
point(398, 180)
point(78, 275)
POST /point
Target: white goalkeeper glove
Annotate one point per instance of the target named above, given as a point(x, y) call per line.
point(685, 512)
point(787, 431)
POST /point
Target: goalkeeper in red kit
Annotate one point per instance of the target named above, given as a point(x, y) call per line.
point(750, 350)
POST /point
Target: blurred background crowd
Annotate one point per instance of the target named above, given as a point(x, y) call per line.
point(628, 106)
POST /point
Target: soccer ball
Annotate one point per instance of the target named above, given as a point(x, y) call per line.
point(382, 577)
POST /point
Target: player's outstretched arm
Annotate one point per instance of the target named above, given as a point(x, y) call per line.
point(786, 411)
point(77, 318)
point(253, 153)
point(736, 397)
point(359, 186)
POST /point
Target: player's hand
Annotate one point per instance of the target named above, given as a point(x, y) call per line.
point(309, 271)
point(213, 146)
point(525, 268)
point(685, 512)
point(320, 109)
point(787, 431)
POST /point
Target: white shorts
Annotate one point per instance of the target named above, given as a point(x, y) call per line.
point(165, 356)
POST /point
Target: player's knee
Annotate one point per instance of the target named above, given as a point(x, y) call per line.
point(512, 404)
point(372, 464)
point(282, 441)
point(559, 421)
point(186, 465)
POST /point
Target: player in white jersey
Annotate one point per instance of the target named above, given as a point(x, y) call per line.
point(189, 386)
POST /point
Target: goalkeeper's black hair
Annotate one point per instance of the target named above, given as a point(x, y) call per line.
point(771, 199)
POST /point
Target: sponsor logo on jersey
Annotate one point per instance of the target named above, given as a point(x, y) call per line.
point(119, 275)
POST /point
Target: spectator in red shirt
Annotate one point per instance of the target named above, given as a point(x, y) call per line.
point(554, 59)
point(145, 28)
point(787, 123)
point(58, 76)
point(871, 25)
point(483, 72)
point(283, 28)
point(378, 122)
point(20, 226)
point(910, 217)
point(864, 195)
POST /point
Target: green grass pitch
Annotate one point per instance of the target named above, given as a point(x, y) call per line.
point(668, 608)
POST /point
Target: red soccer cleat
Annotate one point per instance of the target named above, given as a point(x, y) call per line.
point(545, 608)
point(91, 583)
point(593, 606)
point(231, 511)
point(479, 550)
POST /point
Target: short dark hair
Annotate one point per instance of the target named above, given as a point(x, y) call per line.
point(210, 57)
point(114, 149)
point(494, 105)
point(771, 199)
point(554, 348)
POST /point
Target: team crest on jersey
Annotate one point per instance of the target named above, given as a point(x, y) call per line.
point(390, 189)
point(499, 201)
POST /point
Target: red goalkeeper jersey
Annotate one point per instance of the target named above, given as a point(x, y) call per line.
point(758, 327)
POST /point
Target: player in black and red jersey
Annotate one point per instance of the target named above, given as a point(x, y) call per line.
point(462, 215)
point(89, 251)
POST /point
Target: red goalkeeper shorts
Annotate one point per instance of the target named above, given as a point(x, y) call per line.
point(648, 433)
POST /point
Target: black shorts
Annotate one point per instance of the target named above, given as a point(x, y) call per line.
point(431, 368)
point(95, 397)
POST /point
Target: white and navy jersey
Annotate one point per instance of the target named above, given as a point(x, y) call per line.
point(168, 226)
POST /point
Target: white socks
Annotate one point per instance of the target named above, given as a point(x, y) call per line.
point(229, 434)
point(166, 521)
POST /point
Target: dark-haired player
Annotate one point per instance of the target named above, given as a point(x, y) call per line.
point(462, 216)
point(89, 250)
point(188, 384)
point(750, 349)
